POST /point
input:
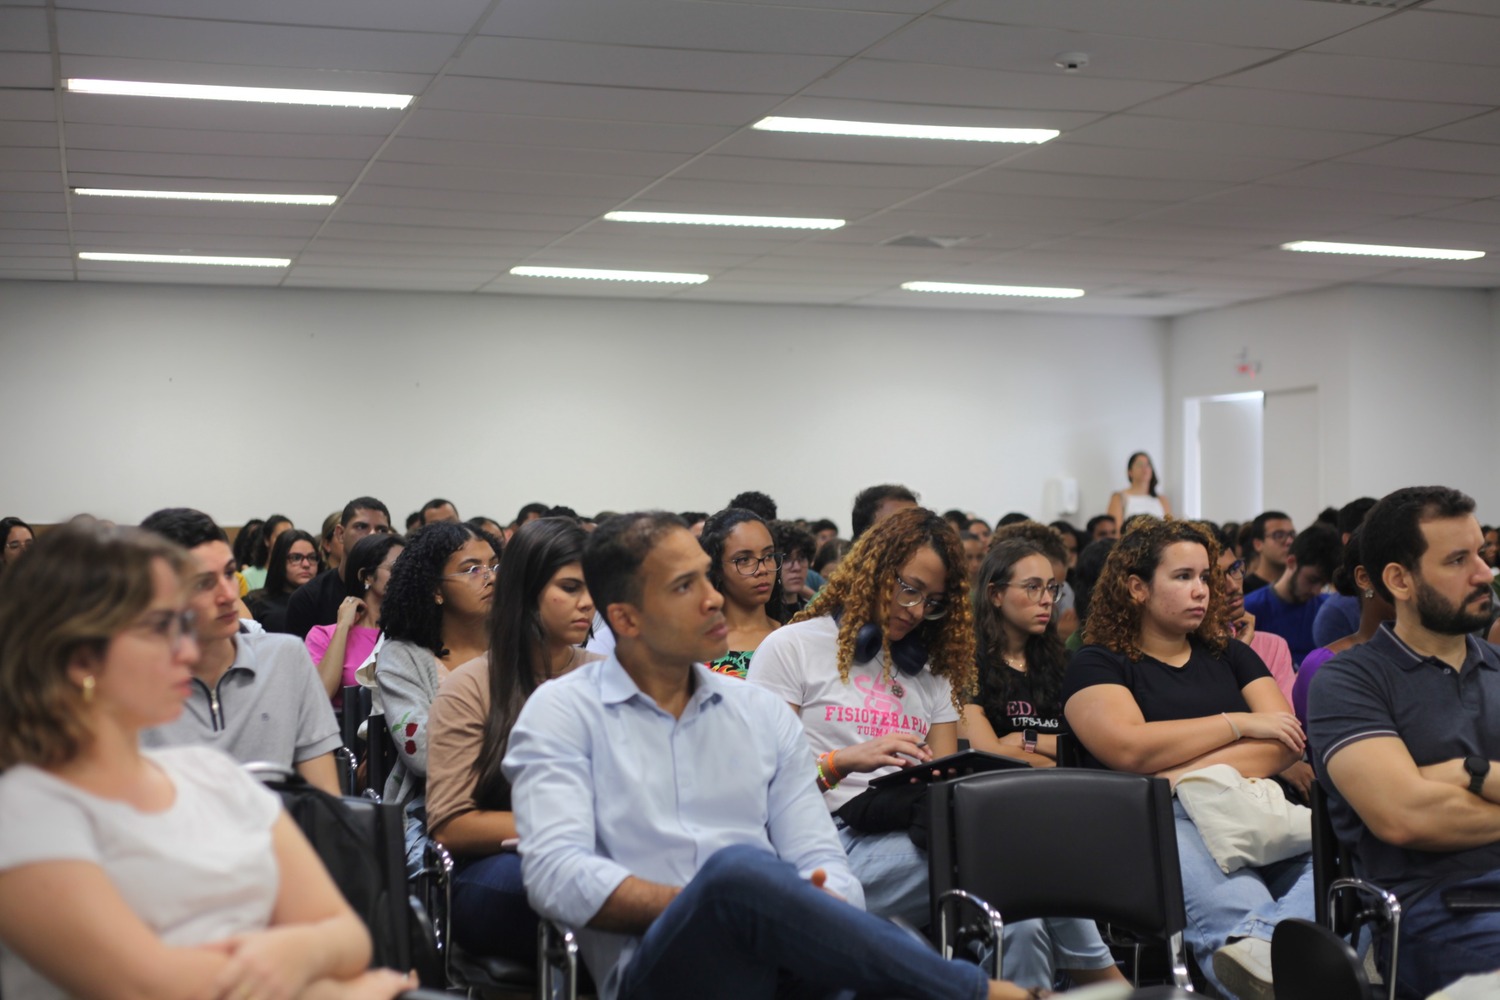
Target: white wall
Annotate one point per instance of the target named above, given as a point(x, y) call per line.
point(1408, 382)
point(119, 399)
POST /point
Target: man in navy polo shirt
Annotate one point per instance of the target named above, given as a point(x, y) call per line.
point(1404, 729)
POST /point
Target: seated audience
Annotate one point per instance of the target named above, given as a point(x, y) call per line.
point(755, 501)
point(1162, 689)
point(744, 568)
point(244, 546)
point(1374, 611)
point(1339, 615)
point(830, 555)
point(292, 563)
point(142, 873)
point(342, 648)
point(433, 615)
point(331, 552)
point(254, 695)
point(876, 503)
point(1287, 607)
point(16, 537)
point(542, 612)
point(798, 582)
point(980, 529)
point(1265, 542)
point(974, 551)
point(318, 602)
point(1406, 727)
point(256, 570)
point(1050, 541)
point(1140, 496)
point(719, 875)
point(1102, 526)
point(824, 531)
point(439, 509)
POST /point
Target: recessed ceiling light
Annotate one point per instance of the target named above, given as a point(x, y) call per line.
point(175, 258)
point(1374, 250)
point(830, 126)
point(1028, 291)
point(598, 274)
point(259, 199)
point(692, 219)
point(264, 95)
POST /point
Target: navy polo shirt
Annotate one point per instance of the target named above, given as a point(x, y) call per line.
point(1385, 688)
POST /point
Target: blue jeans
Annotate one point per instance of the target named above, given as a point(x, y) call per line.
point(1245, 903)
point(1438, 947)
point(490, 912)
point(893, 872)
point(748, 926)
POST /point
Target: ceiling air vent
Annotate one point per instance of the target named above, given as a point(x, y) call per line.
point(930, 242)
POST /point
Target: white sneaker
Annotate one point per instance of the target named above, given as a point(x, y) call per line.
point(1244, 967)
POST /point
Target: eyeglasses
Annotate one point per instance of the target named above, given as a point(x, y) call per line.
point(1236, 569)
point(1281, 536)
point(748, 565)
point(19, 544)
point(1034, 588)
point(909, 597)
point(301, 558)
point(475, 573)
point(794, 559)
point(176, 628)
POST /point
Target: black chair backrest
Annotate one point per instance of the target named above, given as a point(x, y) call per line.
point(1332, 860)
point(362, 844)
point(1070, 842)
point(357, 703)
point(1311, 962)
point(382, 755)
point(1069, 751)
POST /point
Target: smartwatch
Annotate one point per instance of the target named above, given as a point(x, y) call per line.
point(1479, 769)
point(1028, 743)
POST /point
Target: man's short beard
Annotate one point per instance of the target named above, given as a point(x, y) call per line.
point(1445, 619)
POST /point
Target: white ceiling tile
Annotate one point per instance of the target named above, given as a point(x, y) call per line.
point(766, 170)
point(1025, 49)
point(15, 133)
point(512, 156)
point(498, 181)
point(1431, 36)
point(32, 201)
point(430, 123)
point(27, 105)
point(884, 80)
point(1049, 184)
point(905, 112)
point(1486, 212)
point(169, 165)
point(1464, 6)
point(1284, 24)
point(728, 27)
point(168, 274)
point(444, 16)
point(986, 206)
point(208, 142)
point(1280, 108)
point(1399, 180)
point(865, 149)
point(228, 116)
point(609, 103)
point(23, 29)
point(733, 197)
point(1434, 154)
point(640, 66)
point(1149, 132)
point(1276, 197)
point(25, 69)
point(31, 180)
point(1479, 128)
point(29, 158)
point(207, 223)
point(1430, 232)
point(160, 241)
point(1362, 76)
point(1200, 165)
point(35, 221)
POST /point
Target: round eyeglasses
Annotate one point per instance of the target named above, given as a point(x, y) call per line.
point(908, 596)
point(748, 565)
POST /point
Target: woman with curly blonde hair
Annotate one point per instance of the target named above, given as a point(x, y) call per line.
point(1160, 689)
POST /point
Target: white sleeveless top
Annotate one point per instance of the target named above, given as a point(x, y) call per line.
point(1141, 505)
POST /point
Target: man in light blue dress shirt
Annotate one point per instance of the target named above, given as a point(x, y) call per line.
point(670, 815)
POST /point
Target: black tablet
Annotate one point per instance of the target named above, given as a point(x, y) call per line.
point(955, 765)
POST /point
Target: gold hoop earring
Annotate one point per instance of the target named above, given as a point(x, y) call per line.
point(88, 688)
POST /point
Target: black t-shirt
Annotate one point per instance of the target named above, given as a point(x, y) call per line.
point(1021, 711)
point(1206, 684)
point(1253, 582)
point(316, 602)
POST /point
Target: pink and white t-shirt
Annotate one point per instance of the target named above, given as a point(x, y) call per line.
point(799, 664)
point(357, 650)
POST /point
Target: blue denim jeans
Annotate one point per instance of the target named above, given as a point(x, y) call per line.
point(1438, 947)
point(1245, 903)
point(490, 912)
point(748, 927)
point(893, 872)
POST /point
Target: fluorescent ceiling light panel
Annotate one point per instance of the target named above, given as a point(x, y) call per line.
point(175, 258)
point(886, 130)
point(1374, 250)
point(264, 95)
point(1026, 291)
point(598, 274)
point(257, 199)
point(693, 219)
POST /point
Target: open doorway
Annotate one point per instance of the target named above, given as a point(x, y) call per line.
point(1224, 464)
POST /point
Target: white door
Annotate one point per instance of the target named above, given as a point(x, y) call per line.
point(1229, 457)
point(1293, 463)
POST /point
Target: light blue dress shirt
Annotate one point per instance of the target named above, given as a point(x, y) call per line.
point(605, 784)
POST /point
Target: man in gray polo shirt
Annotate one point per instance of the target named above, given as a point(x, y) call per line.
point(1404, 729)
point(256, 696)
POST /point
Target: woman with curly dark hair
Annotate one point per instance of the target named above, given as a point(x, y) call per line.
point(433, 617)
point(745, 568)
point(876, 667)
point(1161, 689)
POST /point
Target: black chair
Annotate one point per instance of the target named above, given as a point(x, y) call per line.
point(1344, 902)
point(1071, 842)
point(381, 756)
point(1311, 962)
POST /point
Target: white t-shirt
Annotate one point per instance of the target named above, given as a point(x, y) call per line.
point(199, 871)
point(799, 664)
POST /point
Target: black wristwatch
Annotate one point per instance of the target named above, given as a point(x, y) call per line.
point(1479, 769)
point(1028, 740)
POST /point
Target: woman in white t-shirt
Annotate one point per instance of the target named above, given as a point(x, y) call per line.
point(1140, 496)
point(125, 872)
point(871, 667)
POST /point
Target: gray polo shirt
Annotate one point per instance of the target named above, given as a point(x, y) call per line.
point(269, 705)
point(1385, 688)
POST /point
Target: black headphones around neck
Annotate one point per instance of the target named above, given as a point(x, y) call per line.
point(908, 654)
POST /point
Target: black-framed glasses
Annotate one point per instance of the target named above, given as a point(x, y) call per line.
point(748, 565)
point(1281, 536)
point(908, 596)
point(302, 559)
point(795, 559)
point(1236, 569)
point(475, 573)
point(1034, 588)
